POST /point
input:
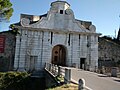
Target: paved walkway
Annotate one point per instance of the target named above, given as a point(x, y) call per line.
point(96, 81)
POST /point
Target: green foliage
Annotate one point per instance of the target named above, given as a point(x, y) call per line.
point(13, 29)
point(12, 26)
point(13, 80)
point(60, 78)
point(65, 87)
point(6, 9)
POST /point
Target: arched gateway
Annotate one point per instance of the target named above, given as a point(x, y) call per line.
point(59, 55)
point(55, 29)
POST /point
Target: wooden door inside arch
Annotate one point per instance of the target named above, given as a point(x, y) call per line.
point(59, 55)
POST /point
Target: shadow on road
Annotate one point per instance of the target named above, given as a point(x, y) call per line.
point(116, 80)
point(103, 76)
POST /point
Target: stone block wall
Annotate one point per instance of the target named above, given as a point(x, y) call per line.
point(39, 44)
point(7, 57)
point(109, 52)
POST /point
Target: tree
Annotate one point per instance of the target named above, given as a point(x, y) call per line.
point(118, 37)
point(6, 10)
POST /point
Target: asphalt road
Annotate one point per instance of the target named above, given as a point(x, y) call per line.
point(96, 81)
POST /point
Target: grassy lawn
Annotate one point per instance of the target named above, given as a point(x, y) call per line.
point(63, 86)
point(70, 86)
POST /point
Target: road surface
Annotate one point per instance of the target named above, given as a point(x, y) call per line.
point(96, 81)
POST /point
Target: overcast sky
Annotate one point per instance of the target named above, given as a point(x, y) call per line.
point(104, 14)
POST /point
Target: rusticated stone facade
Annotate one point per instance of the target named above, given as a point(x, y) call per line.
point(8, 52)
point(56, 37)
point(108, 52)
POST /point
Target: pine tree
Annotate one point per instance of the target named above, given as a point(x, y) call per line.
point(6, 10)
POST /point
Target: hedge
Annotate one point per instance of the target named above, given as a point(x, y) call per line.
point(14, 81)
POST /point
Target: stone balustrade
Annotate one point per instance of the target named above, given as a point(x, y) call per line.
point(59, 70)
point(66, 72)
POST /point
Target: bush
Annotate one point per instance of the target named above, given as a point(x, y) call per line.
point(13, 80)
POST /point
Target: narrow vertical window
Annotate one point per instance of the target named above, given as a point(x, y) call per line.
point(69, 40)
point(88, 42)
point(51, 37)
point(79, 39)
point(20, 39)
point(87, 39)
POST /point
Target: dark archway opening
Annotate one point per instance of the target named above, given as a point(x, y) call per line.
point(59, 55)
point(82, 63)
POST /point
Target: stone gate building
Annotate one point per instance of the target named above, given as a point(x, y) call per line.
point(56, 37)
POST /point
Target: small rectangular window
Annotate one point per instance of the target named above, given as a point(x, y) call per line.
point(61, 11)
